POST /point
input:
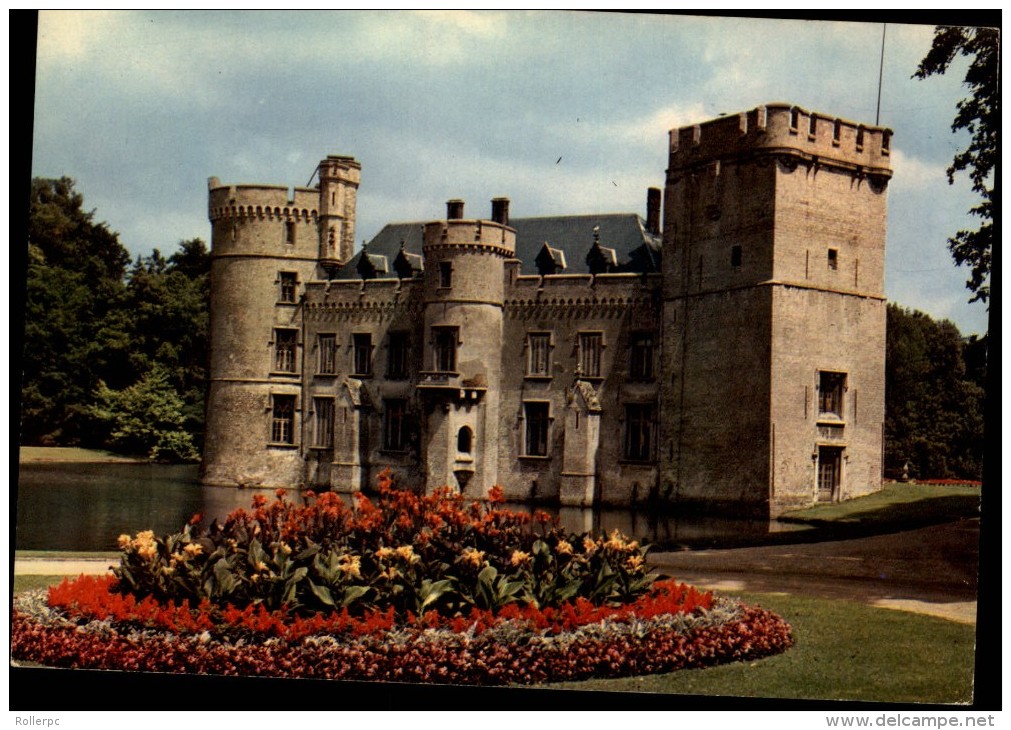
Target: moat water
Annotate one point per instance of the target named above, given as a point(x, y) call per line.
point(85, 507)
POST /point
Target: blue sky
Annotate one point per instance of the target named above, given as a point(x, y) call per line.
point(140, 108)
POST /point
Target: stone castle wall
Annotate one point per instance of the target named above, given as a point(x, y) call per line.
point(773, 274)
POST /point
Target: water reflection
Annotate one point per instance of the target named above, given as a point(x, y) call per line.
point(64, 506)
point(85, 507)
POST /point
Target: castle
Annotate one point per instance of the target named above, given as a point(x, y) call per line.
point(731, 358)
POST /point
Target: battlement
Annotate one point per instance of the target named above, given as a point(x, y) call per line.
point(261, 201)
point(462, 232)
point(783, 128)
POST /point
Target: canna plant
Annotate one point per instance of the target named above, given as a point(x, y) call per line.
point(402, 552)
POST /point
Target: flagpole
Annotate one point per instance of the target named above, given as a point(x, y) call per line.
point(881, 69)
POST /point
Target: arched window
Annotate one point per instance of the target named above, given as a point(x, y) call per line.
point(464, 440)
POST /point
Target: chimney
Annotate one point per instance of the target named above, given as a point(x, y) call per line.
point(653, 211)
point(454, 209)
point(500, 210)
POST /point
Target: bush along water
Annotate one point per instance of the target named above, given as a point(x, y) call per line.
point(402, 587)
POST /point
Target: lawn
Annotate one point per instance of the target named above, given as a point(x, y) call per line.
point(74, 455)
point(844, 650)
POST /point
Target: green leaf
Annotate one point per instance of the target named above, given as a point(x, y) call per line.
point(352, 594)
point(323, 594)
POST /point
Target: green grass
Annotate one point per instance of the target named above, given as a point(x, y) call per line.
point(72, 454)
point(24, 583)
point(844, 650)
point(907, 502)
point(66, 555)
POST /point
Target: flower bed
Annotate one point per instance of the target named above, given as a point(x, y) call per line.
point(427, 589)
point(517, 645)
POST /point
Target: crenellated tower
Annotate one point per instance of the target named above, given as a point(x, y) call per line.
point(460, 379)
point(774, 310)
point(265, 246)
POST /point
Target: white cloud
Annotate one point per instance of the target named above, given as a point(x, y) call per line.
point(913, 173)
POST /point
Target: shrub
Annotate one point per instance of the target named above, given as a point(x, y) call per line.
point(404, 552)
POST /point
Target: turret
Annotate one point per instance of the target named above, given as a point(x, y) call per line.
point(464, 280)
point(338, 190)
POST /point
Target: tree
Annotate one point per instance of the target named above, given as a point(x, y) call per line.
point(93, 329)
point(933, 406)
point(145, 418)
point(979, 114)
point(73, 334)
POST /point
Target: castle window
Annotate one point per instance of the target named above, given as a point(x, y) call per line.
point(639, 428)
point(833, 258)
point(794, 119)
point(327, 346)
point(289, 284)
point(464, 440)
point(537, 424)
point(860, 138)
point(886, 137)
point(323, 432)
point(591, 345)
point(735, 256)
point(836, 131)
point(394, 421)
point(289, 233)
point(445, 274)
point(830, 394)
point(282, 423)
point(363, 354)
point(397, 353)
point(285, 346)
point(640, 363)
point(538, 353)
point(812, 125)
point(445, 341)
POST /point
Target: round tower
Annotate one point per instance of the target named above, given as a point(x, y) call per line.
point(461, 372)
point(339, 177)
point(265, 246)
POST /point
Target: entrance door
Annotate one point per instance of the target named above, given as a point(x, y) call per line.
point(829, 472)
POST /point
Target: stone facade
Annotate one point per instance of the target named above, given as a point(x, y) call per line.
point(730, 358)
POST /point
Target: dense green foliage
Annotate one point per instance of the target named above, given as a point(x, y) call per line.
point(934, 401)
point(105, 342)
point(979, 114)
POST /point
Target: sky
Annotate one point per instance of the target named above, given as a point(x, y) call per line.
point(563, 112)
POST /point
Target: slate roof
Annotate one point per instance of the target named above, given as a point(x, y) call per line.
point(635, 249)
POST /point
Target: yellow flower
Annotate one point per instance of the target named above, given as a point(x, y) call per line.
point(406, 552)
point(472, 556)
point(124, 542)
point(286, 548)
point(519, 558)
point(384, 552)
point(177, 558)
point(351, 565)
point(390, 574)
point(563, 547)
point(589, 546)
point(634, 562)
point(261, 566)
point(193, 549)
point(616, 542)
